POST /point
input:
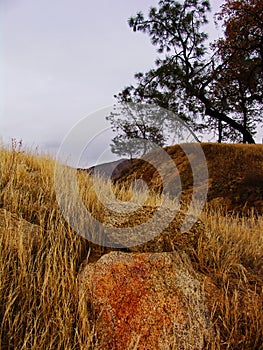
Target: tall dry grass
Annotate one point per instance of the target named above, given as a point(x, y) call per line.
point(39, 294)
point(231, 255)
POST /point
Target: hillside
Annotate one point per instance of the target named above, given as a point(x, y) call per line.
point(61, 291)
point(235, 175)
point(108, 169)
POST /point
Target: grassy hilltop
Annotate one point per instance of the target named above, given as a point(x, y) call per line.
point(234, 173)
point(41, 255)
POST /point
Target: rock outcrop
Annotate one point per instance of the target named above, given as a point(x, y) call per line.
point(19, 234)
point(145, 301)
point(146, 230)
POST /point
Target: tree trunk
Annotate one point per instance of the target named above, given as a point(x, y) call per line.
point(244, 117)
point(220, 131)
point(247, 137)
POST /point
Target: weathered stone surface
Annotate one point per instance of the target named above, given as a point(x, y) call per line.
point(148, 300)
point(149, 229)
point(19, 234)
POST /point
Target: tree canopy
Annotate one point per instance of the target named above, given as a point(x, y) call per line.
point(142, 127)
point(241, 53)
point(216, 88)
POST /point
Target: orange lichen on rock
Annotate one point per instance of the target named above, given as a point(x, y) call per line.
point(147, 299)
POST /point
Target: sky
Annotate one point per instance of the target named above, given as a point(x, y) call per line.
point(61, 61)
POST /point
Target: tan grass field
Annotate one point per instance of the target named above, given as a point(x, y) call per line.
point(38, 284)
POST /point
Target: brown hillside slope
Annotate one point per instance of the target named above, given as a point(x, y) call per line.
point(235, 174)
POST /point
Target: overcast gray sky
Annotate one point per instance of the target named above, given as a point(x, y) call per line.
point(62, 60)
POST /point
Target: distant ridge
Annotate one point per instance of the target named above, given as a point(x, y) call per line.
point(112, 170)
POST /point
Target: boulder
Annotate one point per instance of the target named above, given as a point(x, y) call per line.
point(18, 234)
point(145, 301)
point(148, 229)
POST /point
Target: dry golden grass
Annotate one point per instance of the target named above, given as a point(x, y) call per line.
point(231, 254)
point(39, 293)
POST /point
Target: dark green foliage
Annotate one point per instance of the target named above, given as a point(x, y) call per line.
point(190, 78)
